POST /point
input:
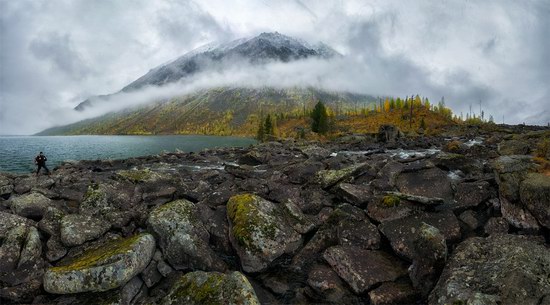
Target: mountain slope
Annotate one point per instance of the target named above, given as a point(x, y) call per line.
point(220, 111)
point(262, 49)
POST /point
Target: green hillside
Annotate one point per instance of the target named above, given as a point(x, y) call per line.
point(219, 111)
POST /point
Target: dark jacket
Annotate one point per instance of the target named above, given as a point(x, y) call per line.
point(40, 159)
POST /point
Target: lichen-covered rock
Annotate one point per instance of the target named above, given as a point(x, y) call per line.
point(31, 205)
point(513, 147)
point(496, 225)
point(197, 288)
point(107, 267)
point(20, 256)
point(24, 185)
point(10, 248)
point(328, 178)
point(103, 199)
point(362, 269)
point(51, 221)
point(259, 231)
point(8, 221)
point(358, 195)
point(183, 237)
point(327, 284)
point(500, 269)
point(138, 175)
point(77, 229)
point(518, 216)
point(535, 196)
point(402, 233)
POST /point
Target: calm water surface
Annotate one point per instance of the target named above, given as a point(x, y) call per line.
point(17, 152)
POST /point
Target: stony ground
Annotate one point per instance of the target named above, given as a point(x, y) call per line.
point(375, 219)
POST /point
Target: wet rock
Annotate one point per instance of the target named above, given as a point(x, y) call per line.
point(259, 231)
point(389, 133)
point(358, 195)
point(402, 233)
point(500, 269)
point(432, 182)
point(430, 254)
point(362, 269)
point(513, 147)
point(391, 293)
point(107, 267)
point(535, 196)
point(327, 284)
point(328, 178)
point(183, 238)
point(77, 229)
point(471, 194)
point(31, 205)
point(496, 225)
point(211, 288)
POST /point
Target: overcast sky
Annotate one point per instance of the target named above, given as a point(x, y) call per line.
point(56, 53)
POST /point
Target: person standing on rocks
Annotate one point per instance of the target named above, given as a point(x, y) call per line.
point(40, 161)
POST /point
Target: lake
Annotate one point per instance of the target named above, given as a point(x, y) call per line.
point(17, 152)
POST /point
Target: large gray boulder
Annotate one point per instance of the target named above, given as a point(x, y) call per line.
point(362, 269)
point(534, 192)
point(403, 233)
point(8, 221)
point(107, 267)
point(32, 205)
point(77, 229)
point(259, 231)
point(197, 288)
point(500, 269)
point(431, 182)
point(183, 238)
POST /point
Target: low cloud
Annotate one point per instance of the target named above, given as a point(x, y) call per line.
point(55, 54)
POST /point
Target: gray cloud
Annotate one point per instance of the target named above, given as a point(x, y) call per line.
point(54, 54)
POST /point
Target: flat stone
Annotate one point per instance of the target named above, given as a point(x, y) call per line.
point(431, 183)
point(391, 293)
point(77, 229)
point(362, 269)
point(471, 194)
point(107, 267)
point(355, 194)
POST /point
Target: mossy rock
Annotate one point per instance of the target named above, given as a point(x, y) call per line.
point(211, 288)
point(183, 238)
point(260, 231)
point(138, 175)
point(107, 267)
point(328, 178)
point(390, 201)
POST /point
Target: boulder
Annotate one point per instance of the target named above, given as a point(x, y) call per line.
point(496, 225)
point(358, 195)
point(361, 234)
point(362, 269)
point(25, 185)
point(8, 221)
point(21, 256)
point(110, 266)
point(182, 236)
point(259, 231)
point(328, 178)
point(6, 187)
point(51, 221)
point(75, 229)
point(402, 233)
point(389, 133)
point(471, 194)
point(430, 254)
point(325, 282)
point(500, 269)
point(509, 172)
point(534, 192)
point(196, 288)
point(431, 182)
point(31, 205)
point(513, 147)
point(519, 217)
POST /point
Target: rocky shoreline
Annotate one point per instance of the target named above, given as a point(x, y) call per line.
point(364, 219)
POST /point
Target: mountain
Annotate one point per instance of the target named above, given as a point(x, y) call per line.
point(262, 49)
point(219, 111)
